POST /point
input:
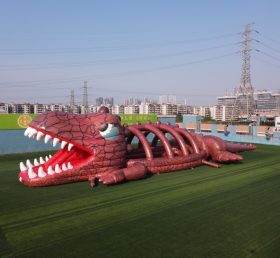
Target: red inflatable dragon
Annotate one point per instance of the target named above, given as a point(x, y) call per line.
point(96, 147)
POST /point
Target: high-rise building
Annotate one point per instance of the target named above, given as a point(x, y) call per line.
point(202, 111)
point(4, 108)
point(131, 109)
point(118, 109)
point(107, 101)
point(183, 109)
point(99, 101)
point(167, 99)
point(149, 108)
point(39, 108)
point(266, 100)
point(223, 113)
point(168, 109)
point(132, 101)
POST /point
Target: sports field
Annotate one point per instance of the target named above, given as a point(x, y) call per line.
point(233, 211)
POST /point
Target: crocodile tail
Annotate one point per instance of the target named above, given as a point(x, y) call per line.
point(238, 147)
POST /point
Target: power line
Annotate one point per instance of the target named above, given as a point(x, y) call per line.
point(127, 73)
point(46, 81)
point(112, 61)
point(14, 51)
point(147, 92)
point(268, 55)
point(269, 47)
point(269, 38)
point(167, 67)
point(106, 62)
point(264, 61)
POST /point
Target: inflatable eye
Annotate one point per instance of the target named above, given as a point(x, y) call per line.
point(109, 131)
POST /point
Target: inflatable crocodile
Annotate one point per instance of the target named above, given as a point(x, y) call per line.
point(96, 147)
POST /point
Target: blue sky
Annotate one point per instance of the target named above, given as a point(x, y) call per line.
point(134, 48)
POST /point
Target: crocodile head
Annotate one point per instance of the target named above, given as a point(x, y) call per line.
point(90, 144)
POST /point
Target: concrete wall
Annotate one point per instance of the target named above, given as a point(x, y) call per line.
point(13, 141)
point(237, 133)
point(164, 119)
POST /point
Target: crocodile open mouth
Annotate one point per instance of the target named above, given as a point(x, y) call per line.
point(68, 159)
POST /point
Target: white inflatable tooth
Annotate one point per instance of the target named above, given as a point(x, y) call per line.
point(69, 165)
point(31, 173)
point(32, 132)
point(41, 172)
point(41, 160)
point(47, 138)
point(29, 164)
point(64, 168)
point(46, 158)
point(36, 163)
point(70, 146)
point(55, 141)
point(63, 144)
point(57, 169)
point(39, 136)
point(27, 131)
point(50, 170)
point(50, 156)
point(22, 166)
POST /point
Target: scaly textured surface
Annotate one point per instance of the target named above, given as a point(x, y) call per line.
point(96, 147)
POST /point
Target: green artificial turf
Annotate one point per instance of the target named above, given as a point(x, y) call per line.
point(233, 211)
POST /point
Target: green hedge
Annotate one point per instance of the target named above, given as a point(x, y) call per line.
point(132, 119)
point(21, 121)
